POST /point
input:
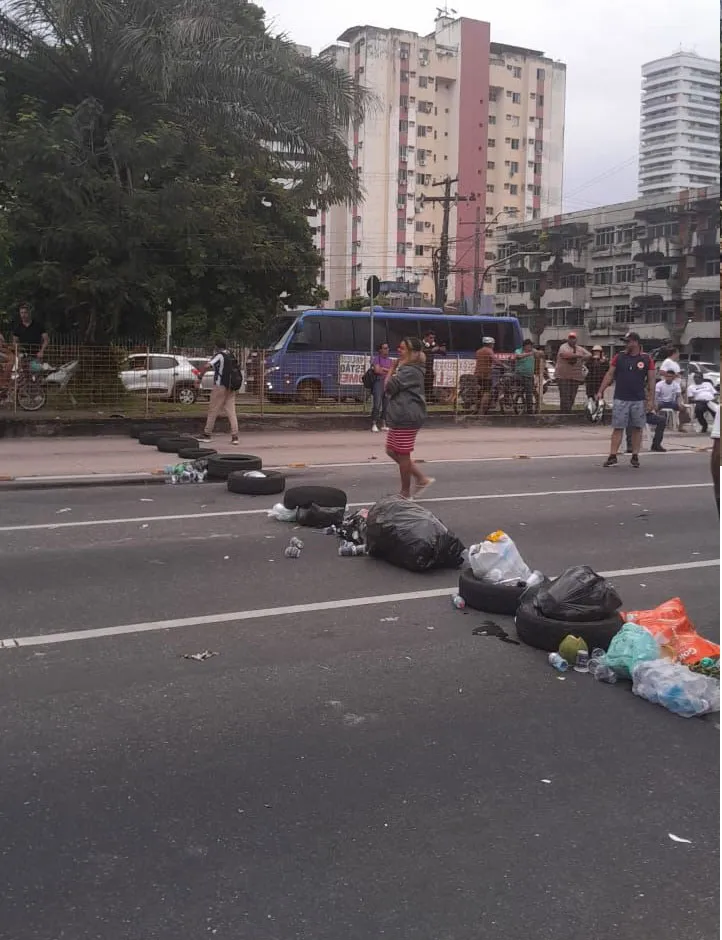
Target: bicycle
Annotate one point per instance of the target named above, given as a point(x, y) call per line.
point(28, 383)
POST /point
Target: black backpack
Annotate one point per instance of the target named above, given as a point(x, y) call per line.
point(235, 376)
point(368, 379)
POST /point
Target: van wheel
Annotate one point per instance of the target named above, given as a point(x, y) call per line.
point(308, 392)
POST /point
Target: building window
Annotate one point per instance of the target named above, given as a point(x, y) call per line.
point(490, 165)
point(513, 190)
point(494, 94)
point(516, 71)
point(604, 237)
point(536, 191)
point(604, 275)
point(503, 285)
point(401, 223)
point(515, 143)
point(403, 176)
point(711, 268)
point(421, 130)
point(403, 126)
point(666, 230)
point(711, 311)
point(623, 313)
point(423, 81)
point(400, 248)
point(491, 142)
point(572, 280)
point(625, 234)
point(419, 226)
point(490, 187)
point(404, 76)
point(492, 119)
point(540, 75)
point(490, 210)
point(540, 100)
point(513, 166)
point(404, 101)
point(625, 273)
point(516, 98)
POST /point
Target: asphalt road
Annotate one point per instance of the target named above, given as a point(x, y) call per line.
point(348, 772)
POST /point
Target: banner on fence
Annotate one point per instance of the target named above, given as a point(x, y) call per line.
point(352, 368)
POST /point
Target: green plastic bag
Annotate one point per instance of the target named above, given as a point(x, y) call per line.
point(631, 646)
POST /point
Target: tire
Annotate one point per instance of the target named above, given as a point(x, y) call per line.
point(308, 392)
point(545, 634)
point(199, 453)
point(221, 465)
point(491, 598)
point(301, 497)
point(185, 395)
point(31, 395)
point(272, 482)
point(137, 429)
point(152, 437)
point(171, 445)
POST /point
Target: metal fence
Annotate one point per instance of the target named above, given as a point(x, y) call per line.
point(137, 380)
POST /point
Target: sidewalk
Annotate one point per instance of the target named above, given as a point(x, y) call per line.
point(122, 459)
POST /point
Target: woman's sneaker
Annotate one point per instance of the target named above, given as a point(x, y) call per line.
point(375, 428)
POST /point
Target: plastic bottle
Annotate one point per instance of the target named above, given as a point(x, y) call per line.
point(329, 530)
point(558, 662)
point(458, 601)
point(295, 543)
point(582, 661)
point(292, 552)
point(348, 549)
point(599, 669)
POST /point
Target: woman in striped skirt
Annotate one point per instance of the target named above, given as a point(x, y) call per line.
point(406, 413)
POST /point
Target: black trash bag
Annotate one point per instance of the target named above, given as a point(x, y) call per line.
point(579, 595)
point(320, 517)
point(407, 535)
point(531, 591)
point(353, 527)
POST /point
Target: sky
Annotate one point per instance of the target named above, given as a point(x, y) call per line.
point(603, 45)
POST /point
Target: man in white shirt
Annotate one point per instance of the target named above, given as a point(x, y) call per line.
point(668, 397)
point(702, 392)
point(715, 458)
point(671, 362)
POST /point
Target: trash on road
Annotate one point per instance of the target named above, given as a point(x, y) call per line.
point(62, 510)
point(675, 632)
point(570, 646)
point(200, 657)
point(282, 514)
point(348, 549)
point(190, 471)
point(676, 688)
point(388, 619)
point(557, 661)
point(321, 517)
point(599, 668)
point(630, 647)
point(409, 535)
point(497, 560)
point(579, 595)
point(675, 838)
point(458, 601)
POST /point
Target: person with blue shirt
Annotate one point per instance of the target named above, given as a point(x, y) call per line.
point(381, 365)
point(633, 374)
point(525, 366)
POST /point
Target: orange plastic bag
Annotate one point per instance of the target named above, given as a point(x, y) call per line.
point(674, 631)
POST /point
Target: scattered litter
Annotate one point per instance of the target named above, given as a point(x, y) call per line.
point(269, 536)
point(676, 688)
point(522, 523)
point(348, 549)
point(522, 457)
point(388, 619)
point(297, 466)
point(292, 552)
point(190, 471)
point(636, 504)
point(562, 678)
point(147, 499)
point(458, 601)
point(226, 557)
point(648, 535)
point(62, 510)
point(557, 661)
point(643, 515)
point(144, 526)
point(429, 628)
point(497, 560)
point(200, 657)
point(280, 512)
point(696, 553)
point(489, 628)
point(642, 585)
point(544, 780)
point(675, 838)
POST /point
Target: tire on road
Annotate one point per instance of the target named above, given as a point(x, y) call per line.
point(137, 429)
point(197, 453)
point(171, 445)
point(543, 633)
point(272, 482)
point(152, 437)
point(491, 598)
point(301, 497)
point(221, 465)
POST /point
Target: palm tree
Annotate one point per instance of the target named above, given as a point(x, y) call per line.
point(210, 65)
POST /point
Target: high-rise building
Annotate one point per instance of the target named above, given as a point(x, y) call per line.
point(680, 127)
point(451, 104)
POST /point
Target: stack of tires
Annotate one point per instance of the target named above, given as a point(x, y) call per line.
point(244, 474)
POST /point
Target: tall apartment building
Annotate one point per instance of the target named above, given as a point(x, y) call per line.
point(651, 265)
point(452, 103)
point(680, 126)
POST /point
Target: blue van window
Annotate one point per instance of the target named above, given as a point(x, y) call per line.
point(337, 334)
point(311, 333)
point(466, 336)
point(398, 329)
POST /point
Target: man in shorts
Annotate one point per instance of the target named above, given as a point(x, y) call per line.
point(633, 375)
point(484, 370)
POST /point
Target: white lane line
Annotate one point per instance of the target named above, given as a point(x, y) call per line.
point(263, 613)
point(175, 517)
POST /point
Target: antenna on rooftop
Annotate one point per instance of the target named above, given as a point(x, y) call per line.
point(446, 10)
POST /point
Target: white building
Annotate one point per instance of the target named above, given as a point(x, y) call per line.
point(680, 124)
point(651, 265)
point(451, 103)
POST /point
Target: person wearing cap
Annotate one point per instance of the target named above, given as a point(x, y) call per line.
point(632, 372)
point(596, 370)
point(570, 372)
point(483, 372)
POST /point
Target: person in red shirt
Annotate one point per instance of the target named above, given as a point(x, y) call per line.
point(633, 375)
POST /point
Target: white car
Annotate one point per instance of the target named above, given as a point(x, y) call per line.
point(203, 366)
point(161, 375)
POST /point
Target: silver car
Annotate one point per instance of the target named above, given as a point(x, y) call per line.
point(161, 375)
point(203, 366)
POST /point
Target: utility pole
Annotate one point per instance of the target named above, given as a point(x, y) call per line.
point(441, 254)
point(477, 260)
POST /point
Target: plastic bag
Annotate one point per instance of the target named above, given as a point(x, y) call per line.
point(579, 595)
point(406, 534)
point(498, 561)
point(320, 517)
point(630, 647)
point(280, 512)
point(675, 631)
point(675, 687)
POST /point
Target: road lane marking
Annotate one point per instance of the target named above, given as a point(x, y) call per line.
point(176, 517)
point(264, 613)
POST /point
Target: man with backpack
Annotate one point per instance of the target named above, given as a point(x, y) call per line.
point(227, 380)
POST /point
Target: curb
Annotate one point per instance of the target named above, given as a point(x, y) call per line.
point(10, 484)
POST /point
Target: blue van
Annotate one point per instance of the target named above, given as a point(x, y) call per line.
point(324, 353)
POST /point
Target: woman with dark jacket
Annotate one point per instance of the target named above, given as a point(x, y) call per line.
point(406, 413)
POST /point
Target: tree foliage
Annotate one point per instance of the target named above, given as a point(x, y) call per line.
point(142, 147)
